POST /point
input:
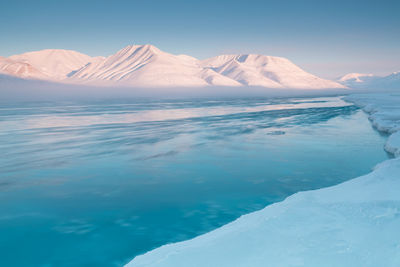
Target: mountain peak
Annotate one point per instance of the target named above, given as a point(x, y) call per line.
point(139, 48)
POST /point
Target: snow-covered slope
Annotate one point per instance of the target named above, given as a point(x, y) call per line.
point(355, 223)
point(370, 81)
point(146, 65)
point(20, 69)
point(267, 71)
point(54, 63)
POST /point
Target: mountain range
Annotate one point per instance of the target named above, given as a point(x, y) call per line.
point(148, 66)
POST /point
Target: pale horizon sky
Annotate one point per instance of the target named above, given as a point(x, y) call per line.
point(326, 38)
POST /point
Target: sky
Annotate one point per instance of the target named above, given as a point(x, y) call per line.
point(326, 38)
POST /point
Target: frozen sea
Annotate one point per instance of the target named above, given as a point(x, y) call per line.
point(98, 183)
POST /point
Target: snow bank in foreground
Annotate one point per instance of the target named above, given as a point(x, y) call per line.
point(355, 223)
point(384, 110)
point(393, 144)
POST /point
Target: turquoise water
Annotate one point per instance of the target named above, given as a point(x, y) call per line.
point(97, 183)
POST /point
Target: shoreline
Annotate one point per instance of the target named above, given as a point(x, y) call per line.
point(349, 224)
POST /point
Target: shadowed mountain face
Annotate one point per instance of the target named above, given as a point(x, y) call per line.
point(147, 66)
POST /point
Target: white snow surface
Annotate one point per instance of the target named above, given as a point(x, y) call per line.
point(355, 223)
point(148, 66)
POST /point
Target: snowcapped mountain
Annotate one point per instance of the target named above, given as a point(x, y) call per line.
point(54, 63)
point(20, 69)
point(233, 66)
point(355, 77)
point(357, 80)
point(147, 66)
point(267, 71)
point(370, 81)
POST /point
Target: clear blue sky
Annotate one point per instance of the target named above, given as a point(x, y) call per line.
point(327, 38)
